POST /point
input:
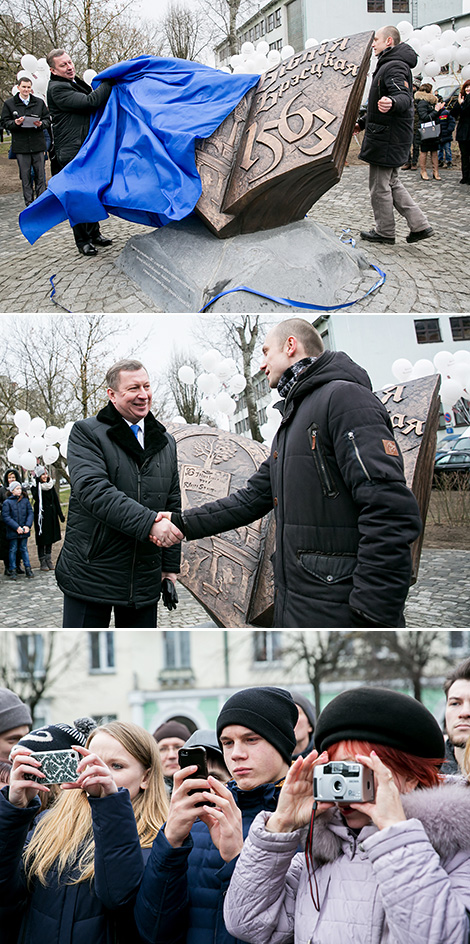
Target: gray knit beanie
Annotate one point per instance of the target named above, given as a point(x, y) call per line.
point(13, 711)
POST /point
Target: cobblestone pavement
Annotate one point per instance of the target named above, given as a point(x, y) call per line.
point(439, 599)
point(432, 275)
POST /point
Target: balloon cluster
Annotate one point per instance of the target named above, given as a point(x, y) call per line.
point(37, 70)
point(218, 383)
point(259, 58)
point(273, 418)
point(453, 368)
point(35, 440)
point(436, 48)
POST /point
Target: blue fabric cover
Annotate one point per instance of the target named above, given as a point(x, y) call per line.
point(138, 161)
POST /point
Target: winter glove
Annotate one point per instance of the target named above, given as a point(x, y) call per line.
point(169, 594)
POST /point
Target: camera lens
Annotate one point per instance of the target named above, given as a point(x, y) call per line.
point(338, 786)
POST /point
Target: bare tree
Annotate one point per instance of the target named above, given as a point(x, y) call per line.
point(35, 667)
point(401, 654)
point(324, 655)
point(184, 30)
point(186, 396)
point(225, 15)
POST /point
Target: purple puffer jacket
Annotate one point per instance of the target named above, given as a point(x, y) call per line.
point(406, 884)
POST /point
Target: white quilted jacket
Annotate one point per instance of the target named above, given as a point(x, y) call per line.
point(406, 884)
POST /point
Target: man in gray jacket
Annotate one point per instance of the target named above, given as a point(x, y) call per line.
point(123, 466)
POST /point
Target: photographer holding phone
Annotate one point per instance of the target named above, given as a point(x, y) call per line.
point(77, 878)
point(392, 871)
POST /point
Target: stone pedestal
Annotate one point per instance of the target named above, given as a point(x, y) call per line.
point(182, 266)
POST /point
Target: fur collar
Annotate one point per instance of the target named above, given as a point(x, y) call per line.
point(155, 435)
point(444, 811)
point(426, 96)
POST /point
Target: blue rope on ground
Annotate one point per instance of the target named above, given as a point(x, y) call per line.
point(293, 304)
point(51, 280)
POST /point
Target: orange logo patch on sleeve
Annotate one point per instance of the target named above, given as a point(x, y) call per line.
point(390, 447)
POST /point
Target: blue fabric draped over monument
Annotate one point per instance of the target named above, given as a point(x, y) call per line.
point(138, 159)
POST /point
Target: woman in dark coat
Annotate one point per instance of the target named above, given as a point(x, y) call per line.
point(77, 879)
point(11, 475)
point(461, 110)
point(428, 109)
point(47, 515)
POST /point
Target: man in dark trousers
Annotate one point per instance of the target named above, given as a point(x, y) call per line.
point(345, 517)
point(71, 103)
point(389, 124)
point(122, 466)
point(25, 116)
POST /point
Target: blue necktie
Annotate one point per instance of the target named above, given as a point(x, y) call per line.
point(135, 429)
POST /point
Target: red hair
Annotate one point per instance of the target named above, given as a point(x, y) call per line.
point(425, 769)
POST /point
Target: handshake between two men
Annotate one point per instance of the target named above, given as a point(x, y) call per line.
point(163, 532)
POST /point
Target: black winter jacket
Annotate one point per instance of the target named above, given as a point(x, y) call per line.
point(25, 140)
point(100, 912)
point(345, 518)
point(462, 112)
point(424, 104)
point(48, 532)
point(117, 490)
point(388, 136)
point(71, 103)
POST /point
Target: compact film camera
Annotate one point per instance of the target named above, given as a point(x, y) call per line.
point(343, 781)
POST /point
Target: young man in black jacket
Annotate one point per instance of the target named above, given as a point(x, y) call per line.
point(72, 102)
point(345, 517)
point(389, 127)
point(25, 116)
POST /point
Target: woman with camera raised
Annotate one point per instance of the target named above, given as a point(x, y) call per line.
point(395, 870)
point(76, 878)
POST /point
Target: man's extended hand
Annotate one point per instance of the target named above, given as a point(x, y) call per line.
point(163, 533)
point(384, 104)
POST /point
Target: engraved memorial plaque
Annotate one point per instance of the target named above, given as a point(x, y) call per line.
point(286, 142)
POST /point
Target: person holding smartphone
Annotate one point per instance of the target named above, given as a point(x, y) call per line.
point(393, 869)
point(77, 876)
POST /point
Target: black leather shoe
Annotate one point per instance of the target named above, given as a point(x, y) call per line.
point(102, 241)
point(420, 234)
point(87, 250)
point(373, 237)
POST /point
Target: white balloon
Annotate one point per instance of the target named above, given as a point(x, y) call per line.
point(68, 428)
point(22, 74)
point(237, 383)
point(247, 49)
point(28, 461)
point(462, 357)
point(225, 69)
point(13, 455)
point(444, 55)
point(462, 55)
point(401, 368)
point(226, 368)
point(89, 75)
point(40, 85)
point(29, 62)
point(422, 368)
point(21, 442)
point(235, 60)
point(179, 419)
point(210, 359)
point(274, 57)
point(416, 40)
point(51, 454)
point(37, 426)
point(427, 52)
point(460, 372)
point(417, 70)
point(465, 73)
point(186, 374)
point(447, 36)
point(42, 66)
point(224, 403)
point(38, 446)
point(451, 391)
point(51, 435)
point(208, 383)
point(462, 35)
point(431, 32)
point(442, 360)
point(22, 419)
point(311, 42)
point(262, 48)
point(287, 52)
point(432, 68)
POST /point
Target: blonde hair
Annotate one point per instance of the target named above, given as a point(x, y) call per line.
point(64, 837)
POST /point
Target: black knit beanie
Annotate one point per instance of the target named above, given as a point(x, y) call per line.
point(270, 712)
point(58, 737)
point(381, 716)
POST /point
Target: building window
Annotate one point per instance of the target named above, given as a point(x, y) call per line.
point(428, 331)
point(102, 651)
point(400, 6)
point(257, 31)
point(262, 417)
point(262, 28)
point(177, 649)
point(270, 22)
point(267, 646)
point(30, 654)
point(376, 6)
point(460, 328)
point(277, 17)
